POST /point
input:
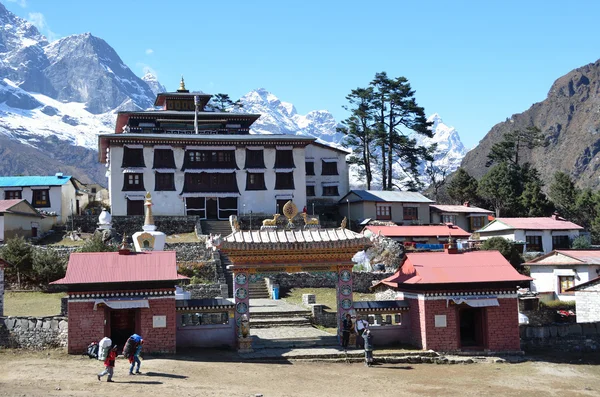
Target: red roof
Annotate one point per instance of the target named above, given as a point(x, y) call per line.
point(444, 268)
point(545, 223)
point(6, 205)
point(111, 267)
point(418, 231)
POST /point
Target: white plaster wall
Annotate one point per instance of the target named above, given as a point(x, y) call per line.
point(545, 278)
point(369, 210)
point(56, 200)
point(67, 198)
point(316, 154)
point(1, 228)
point(507, 234)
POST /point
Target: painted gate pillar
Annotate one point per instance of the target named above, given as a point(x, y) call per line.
point(345, 301)
point(242, 310)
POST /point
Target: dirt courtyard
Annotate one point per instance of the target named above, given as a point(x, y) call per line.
point(55, 373)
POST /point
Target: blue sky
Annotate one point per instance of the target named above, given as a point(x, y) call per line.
point(473, 62)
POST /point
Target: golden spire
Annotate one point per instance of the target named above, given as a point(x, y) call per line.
point(182, 85)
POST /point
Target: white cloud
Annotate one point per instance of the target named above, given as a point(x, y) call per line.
point(38, 20)
point(149, 51)
point(22, 3)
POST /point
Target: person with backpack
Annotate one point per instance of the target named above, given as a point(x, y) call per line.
point(135, 359)
point(368, 338)
point(109, 365)
point(132, 350)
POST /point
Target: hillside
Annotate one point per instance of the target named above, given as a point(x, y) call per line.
point(570, 119)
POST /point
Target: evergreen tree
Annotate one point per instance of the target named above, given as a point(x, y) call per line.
point(509, 149)
point(18, 253)
point(533, 200)
point(396, 116)
point(359, 131)
point(586, 208)
point(48, 266)
point(500, 186)
point(506, 248)
point(95, 244)
point(463, 187)
point(436, 177)
point(563, 193)
point(221, 102)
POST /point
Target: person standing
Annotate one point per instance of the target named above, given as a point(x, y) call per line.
point(109, 365)
point(368, 341)
point(346, 330)
point(361, 326)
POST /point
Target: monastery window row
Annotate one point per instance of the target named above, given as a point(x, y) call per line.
point(328, 167)
point(12, 195)
point(330, 191)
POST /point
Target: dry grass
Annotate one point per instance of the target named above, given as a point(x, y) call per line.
point(325, 296)
point(183, 238)
point(34, 304)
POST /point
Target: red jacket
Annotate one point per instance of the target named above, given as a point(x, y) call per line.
point(110, 360)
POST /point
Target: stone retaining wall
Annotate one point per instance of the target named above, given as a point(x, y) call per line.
point(131, 224)
point(362, 281)
point(322, 317)
point(568, 337)
point(204, 291)
point(33, 332)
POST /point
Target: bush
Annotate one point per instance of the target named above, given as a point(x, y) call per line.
point(581, 243)
point(48, 266)
point(506, 248)
point(20, 255)
point(95, 244)
point(558, 305)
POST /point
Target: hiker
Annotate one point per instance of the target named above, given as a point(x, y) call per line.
point(131, 352)
point(361, 326)
point(346, 330)
point(368, 341)
point(109, 365)
point(135, 359)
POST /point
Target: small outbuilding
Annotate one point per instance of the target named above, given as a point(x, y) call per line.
point(587, 301)
point(458, 300)
point(117, 294)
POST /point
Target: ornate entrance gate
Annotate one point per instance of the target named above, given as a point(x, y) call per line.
point(257, 254)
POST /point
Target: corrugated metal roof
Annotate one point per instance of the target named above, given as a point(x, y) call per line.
point(444, 268)
point(418, 231)
point(111, 267)
point(543, 223)
point(460, 209)
point(586, 257)
point(6, 205)
point(390, 196)
point(22, 181)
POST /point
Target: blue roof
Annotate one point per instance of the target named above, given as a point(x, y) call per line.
point(389, 196)
point(23, 181)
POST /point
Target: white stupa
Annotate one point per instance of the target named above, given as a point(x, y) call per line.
point(105, 220)
point(149, 239)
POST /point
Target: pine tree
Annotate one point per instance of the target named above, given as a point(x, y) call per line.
point(500, 187)
point(533, 201)
point(509, 149)
point(359, 131)
point(463, 187)
point(48, 266)
point(221, 102)
point(18, 253)
point(563, 194)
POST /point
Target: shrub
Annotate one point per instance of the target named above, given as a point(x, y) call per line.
point(506, 248)
point(20, 255)
point(95, 244)
point(580, 243)
point(558, 305)
point(48, 266)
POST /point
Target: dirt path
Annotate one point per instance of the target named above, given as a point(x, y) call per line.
point(58, 374)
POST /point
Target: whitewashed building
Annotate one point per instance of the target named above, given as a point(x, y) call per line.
point(54, 195)
point(538, 234)
point(209, 165)
point(556, 273)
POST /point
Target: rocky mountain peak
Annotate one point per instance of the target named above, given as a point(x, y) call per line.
point(153, 83)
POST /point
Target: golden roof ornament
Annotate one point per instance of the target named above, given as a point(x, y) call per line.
point(124, 248)
point(182, 85)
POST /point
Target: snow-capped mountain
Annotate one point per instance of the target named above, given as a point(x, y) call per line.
point(450, 149)
point(278, 117)
point(153, 83)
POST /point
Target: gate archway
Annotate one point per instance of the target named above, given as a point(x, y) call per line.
point(256, 254)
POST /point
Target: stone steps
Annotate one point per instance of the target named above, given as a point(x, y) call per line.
point(216, 227)
point(272, 322)
point(258, 290)
point(288, 314)
point(259, 344)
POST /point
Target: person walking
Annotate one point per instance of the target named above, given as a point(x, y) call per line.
point(135, 358)
point(368, 341)
point(360, 326)
point(109, 365)
point(346, 330)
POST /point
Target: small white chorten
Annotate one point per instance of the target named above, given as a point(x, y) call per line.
point(149, 239)
point(105, 220)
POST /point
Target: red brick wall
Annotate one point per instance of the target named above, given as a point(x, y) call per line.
point(503, 326)
point(440, 338)
point(417, 322)
point(85, 325)
point(162, 340)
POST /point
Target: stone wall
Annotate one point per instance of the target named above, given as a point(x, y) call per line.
point(588, 304)
point(361, 282)
point(584, 337)
point(131, 224)
point(33, 332)
point(322, 317)
point(204, 291)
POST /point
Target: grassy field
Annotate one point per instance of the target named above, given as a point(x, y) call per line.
point(35, 304)
point(325, 296)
